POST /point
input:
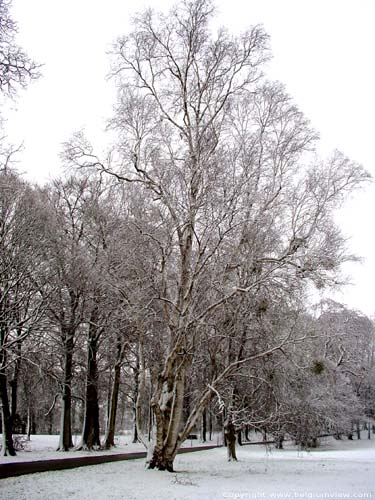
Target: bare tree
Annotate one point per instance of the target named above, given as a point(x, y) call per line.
point(21, 221)
point(16, 68)
point(65, 281)
point(222, 159)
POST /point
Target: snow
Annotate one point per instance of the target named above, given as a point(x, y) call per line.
point(43, 447)
point(338, 469)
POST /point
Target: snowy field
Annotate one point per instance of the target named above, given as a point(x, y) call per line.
point(336, 470)
point(43, 447)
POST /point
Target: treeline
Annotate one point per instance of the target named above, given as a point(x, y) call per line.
point(84, 333)
point(165, 281)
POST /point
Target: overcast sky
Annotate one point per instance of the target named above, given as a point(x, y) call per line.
point(323, 52)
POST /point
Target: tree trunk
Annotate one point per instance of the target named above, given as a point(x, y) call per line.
point(358, 430)
point(30, 422)
point(150, 421)
point(66, 440)
point(168, 415)
point(264, 434)
point(14, 384)
point(239, 437)
point(230, 439)
point(7, 443)
point(204, 426)
point(161, 460)
point(210, 425)
point(247, 438)
point(109, 440)
point(279, 441)
point(6, 418)
point(135, 400)
point(91, 432)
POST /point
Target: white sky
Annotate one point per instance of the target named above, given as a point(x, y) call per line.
point(323, 52)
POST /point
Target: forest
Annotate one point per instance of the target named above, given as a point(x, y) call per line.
point(164, 285)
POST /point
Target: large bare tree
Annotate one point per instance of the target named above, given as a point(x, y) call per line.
point(223, 161)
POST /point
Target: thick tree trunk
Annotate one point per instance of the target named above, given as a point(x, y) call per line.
point(7, 443)
point(162, 460)
point(109, 440)
point(91, 432)
point(6, 417)
point(66, 440)
point(168, 416)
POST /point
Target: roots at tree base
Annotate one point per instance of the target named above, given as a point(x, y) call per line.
point(161, 462)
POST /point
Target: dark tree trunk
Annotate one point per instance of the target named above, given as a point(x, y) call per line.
point(279, 441)
point(91, 432)
point(135, 398)
point(210, 425)
point(161, 461)
point(204, 426)
point(7, 444)
point(247, 438)
point(239, 437)
point(358, 430)
point(6, 418)
point(66, 440)
point(230, 439)
point(111, 426)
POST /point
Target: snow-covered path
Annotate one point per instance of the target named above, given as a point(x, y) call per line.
point(336, 470)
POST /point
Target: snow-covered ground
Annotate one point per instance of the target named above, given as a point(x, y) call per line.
point(336, 470)
point(43, 447)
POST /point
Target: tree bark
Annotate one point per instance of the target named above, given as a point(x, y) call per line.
point(6, 417)
point(247, 438)
point(230, 439)
point(168, 412)
point(66, 441)
point(358, 430)
point(204, 426)
point(135, 401)
point(109, 440)
point(279, 440)
point(29, 422)
point(91, 431)
point(210, 425)
point(14, 384)
point(7, 443)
